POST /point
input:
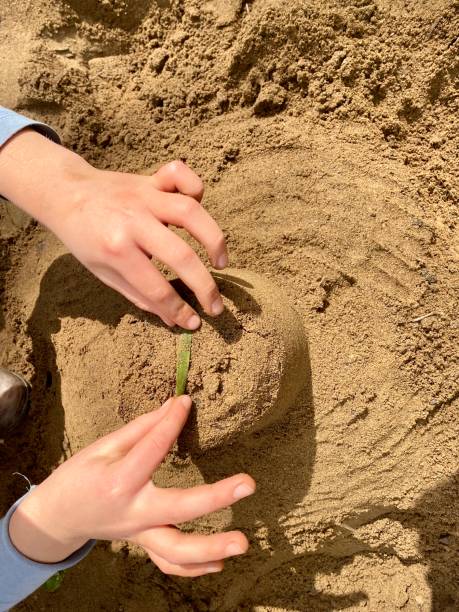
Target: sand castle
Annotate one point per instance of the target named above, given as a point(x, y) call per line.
point(247, 366)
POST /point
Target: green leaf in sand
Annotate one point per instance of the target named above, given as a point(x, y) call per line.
point(183, 361)
point(55, 582)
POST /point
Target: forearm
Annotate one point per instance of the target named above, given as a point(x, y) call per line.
point(33, 170)
point(36, 534)
point(20, 575)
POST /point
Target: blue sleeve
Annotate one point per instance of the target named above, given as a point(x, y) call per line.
point(11, 123)
point(19, 576)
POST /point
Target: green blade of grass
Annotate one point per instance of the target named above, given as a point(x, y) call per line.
point(55, 582)
point(183, 362)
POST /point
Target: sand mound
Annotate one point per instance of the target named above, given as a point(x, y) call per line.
point(247, 366)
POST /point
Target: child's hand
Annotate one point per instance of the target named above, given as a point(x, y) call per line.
point(115, 223)
point(105, 492)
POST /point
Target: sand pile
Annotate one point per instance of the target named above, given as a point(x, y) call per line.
point(247, 367)
point(327, 135)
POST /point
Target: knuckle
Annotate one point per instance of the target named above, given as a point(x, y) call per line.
point(174, 311)
point(162, 294)
point(176, 166)
point(182, 313)
point(115, 241)
point(187, 206)
point(185, 256)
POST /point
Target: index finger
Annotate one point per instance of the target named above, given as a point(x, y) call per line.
point(186, 212)
point(119, 442)
point(140, 462)
point(169, 248)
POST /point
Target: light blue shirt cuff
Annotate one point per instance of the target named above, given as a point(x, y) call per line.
point(11, 123)
point(20, 576)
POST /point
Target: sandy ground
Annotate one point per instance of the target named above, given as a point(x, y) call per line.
point(327, 133)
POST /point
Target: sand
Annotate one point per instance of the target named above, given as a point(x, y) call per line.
point(115, 364)
point(230, 398)
point(327, 135)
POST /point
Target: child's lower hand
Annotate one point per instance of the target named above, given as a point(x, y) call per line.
point(106, 492)
point(114, 223)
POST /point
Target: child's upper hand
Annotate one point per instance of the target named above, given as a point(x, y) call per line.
point(106, 492)
point(115, 223)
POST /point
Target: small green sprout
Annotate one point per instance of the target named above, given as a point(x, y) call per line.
point(183, 361)
point(55, 582)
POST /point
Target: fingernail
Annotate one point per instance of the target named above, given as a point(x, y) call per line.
point(193, 322)
point(234, 549)
point(217, 307)
point(243, 490)
point(222, 261)
point(185, 400)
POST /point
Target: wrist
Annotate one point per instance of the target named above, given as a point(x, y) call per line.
point(39, 175)
point(38, 535)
